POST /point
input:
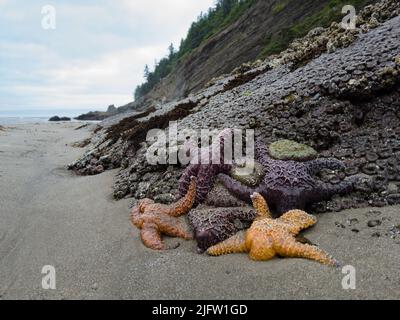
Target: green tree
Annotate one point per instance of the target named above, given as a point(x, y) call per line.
point(146, 71)
point(171, 51)
point(207, 24)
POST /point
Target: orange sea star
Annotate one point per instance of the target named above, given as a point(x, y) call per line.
point(268, 237)
point(156, 219)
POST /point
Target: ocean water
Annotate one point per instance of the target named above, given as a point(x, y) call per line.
point(21, 120)
point(9, 117)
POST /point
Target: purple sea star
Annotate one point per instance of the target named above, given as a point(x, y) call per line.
point(206, 173)
point(289, 184)
point(213, 225)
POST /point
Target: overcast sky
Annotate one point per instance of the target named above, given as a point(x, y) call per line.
point(96, 55)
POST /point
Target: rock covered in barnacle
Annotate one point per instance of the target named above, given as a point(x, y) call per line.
point(317, 113)
point(291, 150)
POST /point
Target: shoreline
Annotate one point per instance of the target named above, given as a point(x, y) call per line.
point(49, 216)
point(12, 121)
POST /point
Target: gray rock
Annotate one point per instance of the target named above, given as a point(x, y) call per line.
point(374, 223)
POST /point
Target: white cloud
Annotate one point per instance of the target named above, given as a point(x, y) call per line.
point(65, 97)
point(4, 2)
point(94, 58)
point(128, 63)
point(89, 84)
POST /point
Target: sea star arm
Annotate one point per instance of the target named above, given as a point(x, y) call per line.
point(262, 156)
point(325, 191)
point(207, 173)
point(315, 166)
point(298, 220)
point(183, 205)
point(135, 216)
point(291, 248)
point(151, 236)
point(238, 189)
point(260, 205)
point(234, 244)
point(205, 181)
point(184, 182)
point(173, 228)
point(244, 215)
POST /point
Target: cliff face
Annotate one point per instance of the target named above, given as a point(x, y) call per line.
point(241, 42)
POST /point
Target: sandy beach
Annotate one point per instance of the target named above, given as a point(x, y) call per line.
point(49, 216)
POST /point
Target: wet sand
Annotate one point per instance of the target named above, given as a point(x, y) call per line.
point(48, 216)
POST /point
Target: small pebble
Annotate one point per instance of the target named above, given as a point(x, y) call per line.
point(374, 223)
point(352, 221)
point(339, 225)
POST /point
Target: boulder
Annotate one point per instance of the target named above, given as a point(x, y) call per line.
point(111, 109)
point(57, 118)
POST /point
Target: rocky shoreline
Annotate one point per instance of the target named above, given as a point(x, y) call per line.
point(335, 90)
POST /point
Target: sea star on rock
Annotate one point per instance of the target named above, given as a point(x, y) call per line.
point(289, 184)
point(269, 237)
point(156, 219)
point(206, 172)
point(213, 225)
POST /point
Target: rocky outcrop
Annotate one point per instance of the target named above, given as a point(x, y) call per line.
point(100, 115)
point(93, 116)
point(111, 109)
point(57, 119)
point(343, 100)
